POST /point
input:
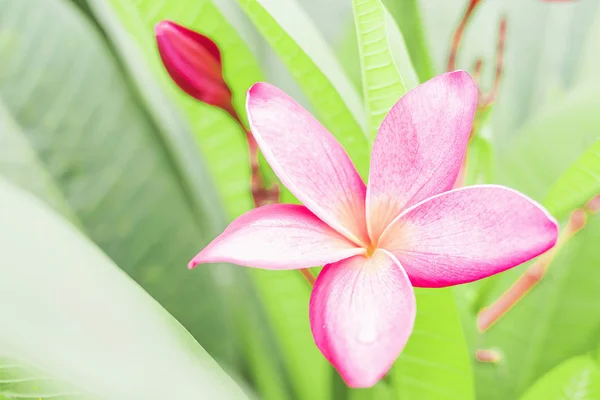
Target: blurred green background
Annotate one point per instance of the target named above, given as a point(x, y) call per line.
point(101, 153)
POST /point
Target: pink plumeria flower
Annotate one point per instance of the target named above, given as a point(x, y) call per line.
point(405, 229)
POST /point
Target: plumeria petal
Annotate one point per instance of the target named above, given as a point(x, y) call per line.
point(362, 311)
point(468, 234)
point(277, 236)
point(308, 160)
point(420, 146)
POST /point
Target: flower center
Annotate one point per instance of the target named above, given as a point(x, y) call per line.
point(370, 250)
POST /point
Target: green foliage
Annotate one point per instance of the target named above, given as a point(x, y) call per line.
point(407, 15)
point(62, 338)
point(479, 161)
point(87, 140)
point(575, 379)
point(285, 296)
point(577, 185)
point(435, 363)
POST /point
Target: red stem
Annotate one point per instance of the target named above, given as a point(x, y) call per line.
point(458, 34)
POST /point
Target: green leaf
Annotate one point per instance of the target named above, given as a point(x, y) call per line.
point(285, 295)
point(296, 40)
point(382, 83)
point(79, 122)
point(400, 53)
point(577, 185)
point(381, 391)
point(479, 160)
point(258, 341)
point(20, 164)
point(63, 337)
point(435, 363)
point(407, 15)
point(575, 379)
point(130, 25)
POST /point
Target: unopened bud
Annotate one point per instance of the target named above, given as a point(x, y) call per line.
point(194, 63)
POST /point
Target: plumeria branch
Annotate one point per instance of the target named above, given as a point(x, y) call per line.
point(261, 194)
point(534, 274)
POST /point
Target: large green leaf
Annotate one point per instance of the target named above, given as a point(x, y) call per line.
point(575, 379)
point(382, 83)
point(293, 36)
point(68, 105)
point(130, 25)
point(72, 321)
point(435, 363)
point(577, 185)
point(20, 164)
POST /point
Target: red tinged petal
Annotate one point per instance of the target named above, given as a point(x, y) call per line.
point(194, 63)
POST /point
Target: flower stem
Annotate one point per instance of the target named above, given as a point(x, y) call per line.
point(458, 34)
point(309, 276)
point(500, 49)
point(261, 194)
point(488, 316)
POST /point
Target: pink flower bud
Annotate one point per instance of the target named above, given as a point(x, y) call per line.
point(194, 63)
